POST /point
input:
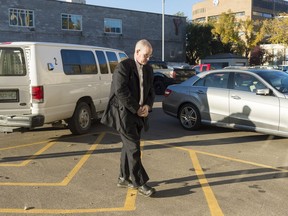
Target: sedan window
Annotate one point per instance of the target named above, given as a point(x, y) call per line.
point(217, 80)
point(247, 82)
point(278, 79)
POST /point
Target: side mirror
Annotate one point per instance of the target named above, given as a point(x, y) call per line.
point(265, 91)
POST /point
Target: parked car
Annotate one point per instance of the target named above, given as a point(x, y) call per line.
point(250, 99)
point(50, 83)
point(201, 68)
point(283, 67)
point(165, 75)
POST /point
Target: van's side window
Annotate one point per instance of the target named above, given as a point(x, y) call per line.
point(113, 61)
point(102, 62)
point(78, 62)
point(12, 62)
point(123, 56)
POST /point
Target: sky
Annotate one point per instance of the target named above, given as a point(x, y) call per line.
point(155, 6)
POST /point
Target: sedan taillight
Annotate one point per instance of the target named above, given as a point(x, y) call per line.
point(167, 92)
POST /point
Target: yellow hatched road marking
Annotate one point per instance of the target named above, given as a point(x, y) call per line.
point(131, 195)
point(22, 146)
point(130, 200)
point(73, 172)
point(24, 163)
point(214, 207)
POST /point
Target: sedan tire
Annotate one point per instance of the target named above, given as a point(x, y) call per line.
point(189, 117)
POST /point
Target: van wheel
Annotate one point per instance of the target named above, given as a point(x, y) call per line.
point(159, 87)
point(80, 122)
point(189, 117)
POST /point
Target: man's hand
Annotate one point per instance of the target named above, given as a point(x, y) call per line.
point(143, 111)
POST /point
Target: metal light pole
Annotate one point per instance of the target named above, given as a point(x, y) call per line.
point(163, 20)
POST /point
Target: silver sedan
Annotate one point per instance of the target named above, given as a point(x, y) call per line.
point(254, 100)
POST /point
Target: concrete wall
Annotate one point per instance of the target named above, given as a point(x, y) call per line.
point(135, 26)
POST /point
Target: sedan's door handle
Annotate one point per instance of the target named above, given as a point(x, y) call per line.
point(236, 97)
point(200, 92)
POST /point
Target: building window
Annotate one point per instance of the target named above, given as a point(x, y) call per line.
point(21, 17)
point(71, 22)
point(266, 15)
point(113, 26)
point(201, 10)
point(200, 20)
point(240, 14)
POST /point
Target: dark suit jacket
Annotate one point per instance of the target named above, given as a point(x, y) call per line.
point(121, 112)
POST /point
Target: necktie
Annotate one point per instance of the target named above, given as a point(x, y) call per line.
point(140, 72)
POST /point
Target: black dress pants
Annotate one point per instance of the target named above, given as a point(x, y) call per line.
point(130, 161)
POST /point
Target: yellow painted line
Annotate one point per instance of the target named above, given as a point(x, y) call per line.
point(62, 211)
point(22, 146)
point(221, 156)
point(130, 199)
point(129, 204)
point(69, 177)
point(24, 163)
point(41, 142)
point(214, 207)
point(241, 161)
point(73, 172)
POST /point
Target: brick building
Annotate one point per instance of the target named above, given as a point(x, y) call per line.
point(70, 22)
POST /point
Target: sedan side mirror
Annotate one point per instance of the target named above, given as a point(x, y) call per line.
point(265, 91)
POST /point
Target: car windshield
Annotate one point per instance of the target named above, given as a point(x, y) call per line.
point(278, 79)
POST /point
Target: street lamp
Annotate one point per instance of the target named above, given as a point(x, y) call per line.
point(163, 16)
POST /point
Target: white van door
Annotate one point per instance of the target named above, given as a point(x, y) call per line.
point(14, 82)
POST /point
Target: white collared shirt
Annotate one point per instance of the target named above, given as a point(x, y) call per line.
point(140, 74)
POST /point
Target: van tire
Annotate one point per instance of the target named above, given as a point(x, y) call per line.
point(80, 122)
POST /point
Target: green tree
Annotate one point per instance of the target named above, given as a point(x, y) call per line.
point(278, 30)
point(250, 35)
point(226, 29)
point(180, 14)
point(198, 42)
point(241, 35)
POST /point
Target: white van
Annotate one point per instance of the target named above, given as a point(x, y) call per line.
point(43, 83)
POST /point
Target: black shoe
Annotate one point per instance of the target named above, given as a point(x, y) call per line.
point(124, 183)
point(146, 190)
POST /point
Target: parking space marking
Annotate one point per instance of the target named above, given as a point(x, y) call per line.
point(130, 199)
point(26, 162)
point(213, 205)
point(68, 177)
point(212, 202)
point(64, 211)
point(22, 146)
point(241, 161)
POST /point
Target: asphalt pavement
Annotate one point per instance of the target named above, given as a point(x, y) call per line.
point(212, 171)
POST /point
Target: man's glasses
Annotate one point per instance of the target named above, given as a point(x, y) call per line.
point(147, 56)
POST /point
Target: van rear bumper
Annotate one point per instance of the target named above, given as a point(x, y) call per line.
point(25, 121)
